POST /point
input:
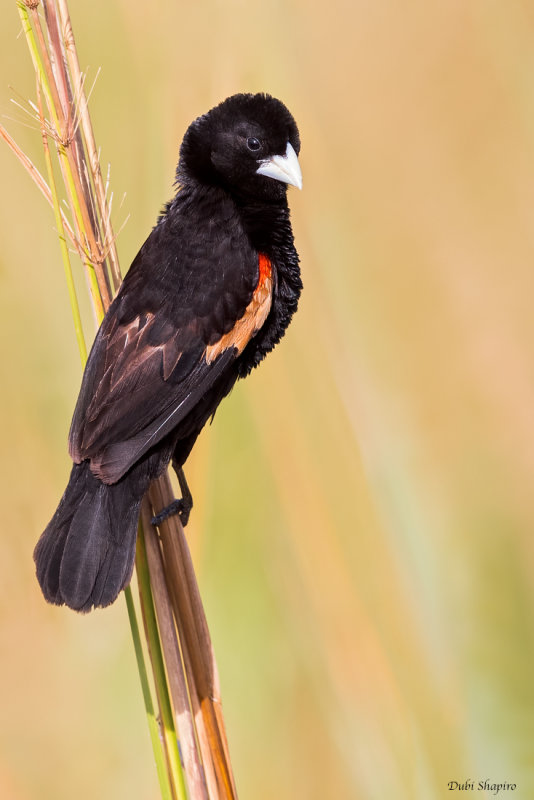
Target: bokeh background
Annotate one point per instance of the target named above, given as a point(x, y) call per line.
point(364, 502)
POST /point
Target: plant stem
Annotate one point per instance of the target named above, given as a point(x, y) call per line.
point(71, 171)
point(177, 637)
point(94, 163)
point(159, 756)
point(196, 780)
point(156, 656)
point(62, 241)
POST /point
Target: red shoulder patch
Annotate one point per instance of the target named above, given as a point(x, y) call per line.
point(265, 269)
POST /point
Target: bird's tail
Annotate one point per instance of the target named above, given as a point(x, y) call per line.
point(85, 555)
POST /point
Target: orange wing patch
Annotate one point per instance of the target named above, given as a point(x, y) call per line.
point(255, 315)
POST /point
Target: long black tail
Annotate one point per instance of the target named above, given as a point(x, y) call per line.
point(85, 555)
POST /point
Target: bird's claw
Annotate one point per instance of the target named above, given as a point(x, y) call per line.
point(179, 507)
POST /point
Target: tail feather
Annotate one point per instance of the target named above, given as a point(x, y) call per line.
point(85, 555)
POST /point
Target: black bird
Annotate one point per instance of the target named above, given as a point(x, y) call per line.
point(211, 291)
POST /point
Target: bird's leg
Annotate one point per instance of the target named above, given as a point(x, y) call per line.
point(183, 506)
point(187, 497)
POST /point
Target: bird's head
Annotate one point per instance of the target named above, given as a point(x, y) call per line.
point(248, 144)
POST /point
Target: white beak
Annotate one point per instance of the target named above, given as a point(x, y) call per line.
point(283, 168)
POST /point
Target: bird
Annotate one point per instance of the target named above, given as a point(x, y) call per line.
point(210, 293)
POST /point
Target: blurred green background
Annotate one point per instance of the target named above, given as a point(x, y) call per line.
point(364, 502)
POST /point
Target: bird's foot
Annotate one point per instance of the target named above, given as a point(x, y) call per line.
point(180, 507)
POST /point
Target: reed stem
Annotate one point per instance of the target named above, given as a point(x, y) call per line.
point(177, 638)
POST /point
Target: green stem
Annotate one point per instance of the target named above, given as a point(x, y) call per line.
point(34, 51)
point(63, 244)
point(159, 755)
point(167, 718)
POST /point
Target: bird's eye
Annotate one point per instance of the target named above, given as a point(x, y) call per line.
point(253, 143)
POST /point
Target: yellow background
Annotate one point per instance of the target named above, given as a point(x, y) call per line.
point(365, 501)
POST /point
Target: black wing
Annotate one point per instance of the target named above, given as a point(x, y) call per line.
point(184, 313)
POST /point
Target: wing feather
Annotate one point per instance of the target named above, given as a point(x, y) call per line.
point(145, 374)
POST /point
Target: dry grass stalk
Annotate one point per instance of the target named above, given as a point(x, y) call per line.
point(195, 640)
point(173, 659)
point(67, 39)
point(183, 631)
